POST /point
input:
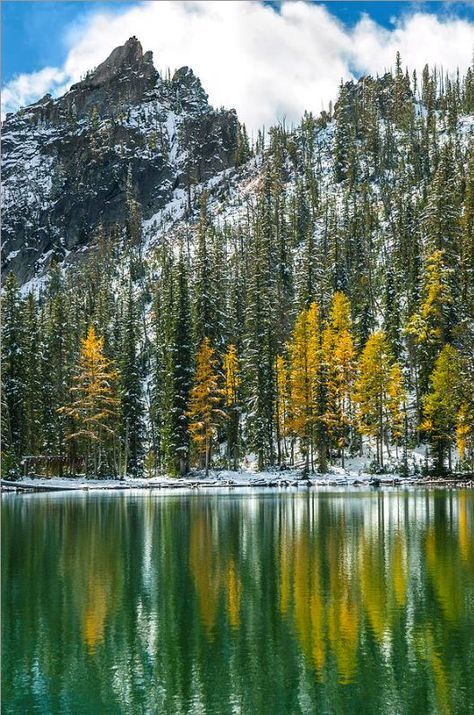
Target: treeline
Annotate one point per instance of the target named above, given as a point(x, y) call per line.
point(336, 304)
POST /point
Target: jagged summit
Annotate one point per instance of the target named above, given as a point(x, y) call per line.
point(128, 55)
point(125, 77)
point(126, 59)
point(65, 160)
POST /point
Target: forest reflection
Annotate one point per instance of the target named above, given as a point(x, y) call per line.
point(264, 602)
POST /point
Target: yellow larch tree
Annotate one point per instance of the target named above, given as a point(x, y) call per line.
point(205, 402)
point(305, 364)
point(339, 360)
point(428, 328)
point(231, 368)
point(93, 409)
point(396, 404)
point(441, 404)
point(465, 430)
point(378, 392)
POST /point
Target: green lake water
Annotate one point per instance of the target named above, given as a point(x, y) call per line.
point(248, 602)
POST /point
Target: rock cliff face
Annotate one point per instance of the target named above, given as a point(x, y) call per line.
point(66, 161)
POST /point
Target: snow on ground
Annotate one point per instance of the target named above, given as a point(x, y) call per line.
point(215, 478)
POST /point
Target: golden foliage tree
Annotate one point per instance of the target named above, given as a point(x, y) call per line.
point(94, 402)
point(429, 326)
point(231, 368)
point(378, 392)
point(338, 356)
point(305, 365)
point(206, 398)
point(441, 404)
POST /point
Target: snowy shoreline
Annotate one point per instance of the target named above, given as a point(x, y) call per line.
point(220, 479)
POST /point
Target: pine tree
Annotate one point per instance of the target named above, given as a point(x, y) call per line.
point(57, 355)
point(131, 398)
point(281, 408)
point(206, 318)
point(33, 384)
point(467, 243)
point(94, 405)
point(13, 366)
point(13, 376)
point(242, 152)
point(177, 371)
point(260, 347)
point(205, 402)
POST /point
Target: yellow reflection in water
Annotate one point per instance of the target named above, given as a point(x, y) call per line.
point(214, 573)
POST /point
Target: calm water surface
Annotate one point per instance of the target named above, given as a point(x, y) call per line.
point(255, 602)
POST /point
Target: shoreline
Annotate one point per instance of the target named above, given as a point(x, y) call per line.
point(238, 480)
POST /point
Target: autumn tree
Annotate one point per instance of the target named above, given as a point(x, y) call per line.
point(338, 357)
point(441, 405)
point(305, 363)
point(94, 404)
point(430, 325)
point(231, 369)
point(378, 392)
point(205, 401)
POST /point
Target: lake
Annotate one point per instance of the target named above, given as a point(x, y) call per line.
point(255, 601)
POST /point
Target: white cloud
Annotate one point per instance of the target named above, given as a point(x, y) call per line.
point(27, 88)
point(267, 65)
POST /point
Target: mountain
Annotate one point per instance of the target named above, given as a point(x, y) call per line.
point(307, 299)
point(65, 161)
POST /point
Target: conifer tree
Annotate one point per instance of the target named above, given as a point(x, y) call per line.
point(131, 398)
point(305, 365)
point(281, 408)
point(377, 392)
point(232, 378)
point(177, 372)
point(441, 405)
point(430, 326)
point(260, 335)
point(94, 405)
point(338, 356)
point(57, 355)
point(33, 384)
point(205, 412)
point(206, 276)
point(13, 370)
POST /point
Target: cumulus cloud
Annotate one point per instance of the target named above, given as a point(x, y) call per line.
point(27, 88)
point(268, 65)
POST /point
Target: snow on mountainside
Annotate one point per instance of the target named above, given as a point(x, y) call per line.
point(65, 161)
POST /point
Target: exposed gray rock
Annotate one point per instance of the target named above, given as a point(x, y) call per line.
point(65, 161)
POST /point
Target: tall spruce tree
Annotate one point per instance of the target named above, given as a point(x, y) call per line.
point(131, 393)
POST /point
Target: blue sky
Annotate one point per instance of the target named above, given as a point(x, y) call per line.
point(34, 34)
point(273, 58)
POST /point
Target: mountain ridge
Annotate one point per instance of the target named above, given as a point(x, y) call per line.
point(65, 161)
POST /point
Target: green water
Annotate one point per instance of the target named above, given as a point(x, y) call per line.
point(255, 602)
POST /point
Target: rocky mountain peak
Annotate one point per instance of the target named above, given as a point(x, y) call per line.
point(126, 59)
point(65, 161)
point(123, 78)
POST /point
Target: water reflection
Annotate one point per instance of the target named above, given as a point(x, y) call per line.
point(252, 603)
